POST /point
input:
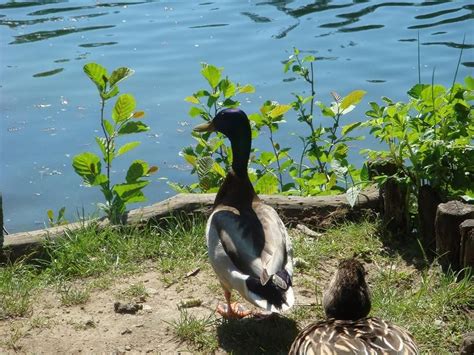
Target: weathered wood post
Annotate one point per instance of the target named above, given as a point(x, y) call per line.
point(428, 201)
point(394, 196)
point(466, 255)
point(449, 217)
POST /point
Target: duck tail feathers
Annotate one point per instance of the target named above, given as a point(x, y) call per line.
point(276, 294)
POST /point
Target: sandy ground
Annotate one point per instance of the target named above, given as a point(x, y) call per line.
point(95, 327)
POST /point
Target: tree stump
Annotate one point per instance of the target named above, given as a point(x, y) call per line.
point(394, 196)
point(428, 201)
point(449, 216)
point(466, 255)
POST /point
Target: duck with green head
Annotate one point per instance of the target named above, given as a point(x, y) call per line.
point(249, 247)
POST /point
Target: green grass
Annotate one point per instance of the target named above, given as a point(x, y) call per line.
point(406, 289)
point(71, 295)
point(195, 331)
point(18, 284)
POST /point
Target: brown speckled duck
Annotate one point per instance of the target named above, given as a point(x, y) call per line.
point(348, 330)
point(249, 247)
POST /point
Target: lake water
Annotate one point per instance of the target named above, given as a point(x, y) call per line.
point(49, 108)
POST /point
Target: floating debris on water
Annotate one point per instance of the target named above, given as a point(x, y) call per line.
point(42, 105)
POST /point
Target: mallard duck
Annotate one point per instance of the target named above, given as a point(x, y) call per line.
point(348, 330)
point(248, 245)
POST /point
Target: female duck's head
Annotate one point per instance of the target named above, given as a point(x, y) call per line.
point(347, 296)
point(235, 125)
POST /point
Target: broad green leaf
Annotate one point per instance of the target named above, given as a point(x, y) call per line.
point(50, 215)
point(61, 212)
point(319, 179)
point(227, 87)
point(127, 147)
point(129, 190)
point(267, 158)
point(195, 111)
point(279, 110)
point(308, 58)
point(87, 165)
point(416, 90)
point(327, 111)
point(218, 169)
point(469, 80)
point(133, 127)
point(98, 74)
point(246, 89)
point(267, 184)
point(109, 127)
point(230, 103)
point(191, 159)
point(192, 99)
point(347, 128)
point(351, 195)
point(212, 74)
point(364, 173)
point(287, 65)
point(111, 93)
point(257, 118)
point(352, 98)
point(101, 143)
point(136, 197)
point(137, 170)
point(120, 74)
point(123, 109)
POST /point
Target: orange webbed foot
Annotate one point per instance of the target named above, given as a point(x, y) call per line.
point(233, 311)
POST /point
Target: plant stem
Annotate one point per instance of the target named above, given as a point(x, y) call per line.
point(277, 155)
point(107, 143)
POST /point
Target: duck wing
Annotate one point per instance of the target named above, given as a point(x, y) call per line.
point(242, 237)
point(364, 336)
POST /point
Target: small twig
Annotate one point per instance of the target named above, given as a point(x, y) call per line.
point(192, 273)
point(309, 232)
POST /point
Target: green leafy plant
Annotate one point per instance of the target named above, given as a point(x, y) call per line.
point(323, 167)
point(429, 137)
point(272, 166)
point(210, 157)
point(124, 121)
point(58, 220)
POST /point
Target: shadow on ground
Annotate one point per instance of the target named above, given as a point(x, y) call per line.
point(272, 335)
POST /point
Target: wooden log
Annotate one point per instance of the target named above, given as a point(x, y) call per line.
point(449, 217)
point(466, 254)
point(428, 201)
point(317, 212)
point(394, 197)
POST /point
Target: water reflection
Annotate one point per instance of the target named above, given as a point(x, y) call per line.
point(450, 44)
point(97, 44)
point(41, 35)
point(444, 22)
point(14, 4)
point(256, 18)
point(55, 10)
point(48, 73)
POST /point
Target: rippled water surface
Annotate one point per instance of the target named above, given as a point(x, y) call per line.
point(49, 109)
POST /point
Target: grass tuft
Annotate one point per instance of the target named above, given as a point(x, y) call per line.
point(195, 331)
point(18, 283)
point(71, 295)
